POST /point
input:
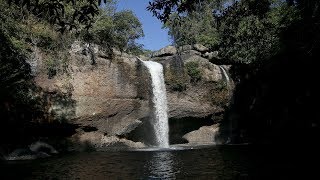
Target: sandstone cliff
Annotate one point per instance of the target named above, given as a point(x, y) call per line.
point(112, 95)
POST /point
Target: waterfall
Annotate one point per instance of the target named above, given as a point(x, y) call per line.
point(225, 74)
point(159, 98)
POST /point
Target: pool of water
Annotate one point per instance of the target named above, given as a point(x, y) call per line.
point(208, 162)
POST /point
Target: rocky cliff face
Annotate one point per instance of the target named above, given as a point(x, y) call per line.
point(111, 96)
point(106, 96)
point(188, 97)
point(197, 90)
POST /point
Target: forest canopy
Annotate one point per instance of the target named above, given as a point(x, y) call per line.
point(244, 31)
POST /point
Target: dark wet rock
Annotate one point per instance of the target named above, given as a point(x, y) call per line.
point(42, 147)
point(36, 150)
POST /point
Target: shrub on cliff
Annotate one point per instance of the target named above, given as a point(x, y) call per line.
point(193, 71)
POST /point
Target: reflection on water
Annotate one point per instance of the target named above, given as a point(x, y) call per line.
point(161, 165)
point(217, 162)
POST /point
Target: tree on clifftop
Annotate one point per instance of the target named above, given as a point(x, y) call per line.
point(245, 31)
point(55, 11)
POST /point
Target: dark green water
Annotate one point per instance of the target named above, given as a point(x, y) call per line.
point(215, 162)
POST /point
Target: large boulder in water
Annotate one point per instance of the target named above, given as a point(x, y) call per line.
point(99, 141)
point(204, 135)
point(42, 147)
point(36, 150)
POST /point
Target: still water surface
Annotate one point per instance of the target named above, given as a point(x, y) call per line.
point(214, 162)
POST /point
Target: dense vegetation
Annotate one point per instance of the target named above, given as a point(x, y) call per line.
point(198, 26)
point(243, 31)
point(273, 46)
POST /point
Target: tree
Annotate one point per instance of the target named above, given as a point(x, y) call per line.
point(162, 9)
point(251, 30)
point(115, 30)
point(55, 11)
point(127, 28)
point(194, 27)
point(246, 31)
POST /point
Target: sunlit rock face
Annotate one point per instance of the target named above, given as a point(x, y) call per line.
point(110, 96)
point(113, 96)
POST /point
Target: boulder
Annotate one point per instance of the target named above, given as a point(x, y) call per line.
point(185, 48)
point(36, 150)
point(99, 141)
point(211, 55)
point(191, 103)
point(166, 51)
point(204, 135)
point(210, 72)
point(42, 146)
point(191, 53)
point(201, 48)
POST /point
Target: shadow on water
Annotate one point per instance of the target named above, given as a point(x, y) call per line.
point(210, 162)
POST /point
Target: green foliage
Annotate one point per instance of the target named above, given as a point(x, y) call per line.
point(110, 30)
point(193, 71)
point(246, 31)
point(116, 30)
point(127, 28)
point(250, 30)
point(178, 86)
point(196, 27)
point(14, 71)
point(57, 63)
point(65, 14)
point(135, 49)
point(162, 9)
point(26, 31)
point(52, 66)
point(176, 81)
point(101, 32)
point(20, 45)
point(220, 94)
point(10, 26)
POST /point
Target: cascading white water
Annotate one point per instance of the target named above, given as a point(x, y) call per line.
point(225, 74)
point(160, 124)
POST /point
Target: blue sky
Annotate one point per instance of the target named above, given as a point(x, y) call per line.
point(155, 37)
